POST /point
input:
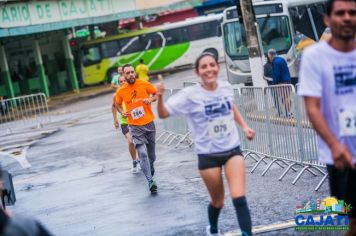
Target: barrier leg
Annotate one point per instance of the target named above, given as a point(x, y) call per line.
point(300, 174)
point(321, 181)
point(168, 137)
point(256, 165)
point(311, 172)
point(182, 139)
point(161, 135)
point(269, 166)
point(175, 138)
point(286, 171)
point(280, 164)
point(251, 154)
point(271, 163)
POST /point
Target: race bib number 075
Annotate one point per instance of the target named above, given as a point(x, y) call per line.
point(220, 127)
point(347, 122)
point(137, 113)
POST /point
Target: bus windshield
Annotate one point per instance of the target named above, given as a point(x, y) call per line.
point(275, 33)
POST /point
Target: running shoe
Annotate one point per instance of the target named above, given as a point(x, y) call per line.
point(208, 233)
point(135, 170)
point(153, 186)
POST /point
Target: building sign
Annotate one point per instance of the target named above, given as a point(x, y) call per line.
point(32, 13)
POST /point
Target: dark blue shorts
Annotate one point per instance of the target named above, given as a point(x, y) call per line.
point(211, 160)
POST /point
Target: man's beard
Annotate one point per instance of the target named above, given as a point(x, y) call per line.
point(347, 37)
point(350, 36)
point(131, 80)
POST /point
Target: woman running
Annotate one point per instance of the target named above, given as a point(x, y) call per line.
point(211, 117)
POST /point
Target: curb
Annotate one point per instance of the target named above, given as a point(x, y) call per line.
point(78, 98)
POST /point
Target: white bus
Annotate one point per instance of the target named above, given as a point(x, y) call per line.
point(162, 47)
point(285, 25)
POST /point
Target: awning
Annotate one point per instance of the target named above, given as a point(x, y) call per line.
point(31, 29)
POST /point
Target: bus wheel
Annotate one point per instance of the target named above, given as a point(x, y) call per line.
point(111, 73)
point(213, 51)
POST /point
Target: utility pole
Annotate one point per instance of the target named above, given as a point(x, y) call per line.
point(245, 8)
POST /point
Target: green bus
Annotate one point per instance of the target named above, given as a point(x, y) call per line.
point(168, 46)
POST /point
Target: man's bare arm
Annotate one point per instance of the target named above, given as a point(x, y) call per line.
point(341, 155)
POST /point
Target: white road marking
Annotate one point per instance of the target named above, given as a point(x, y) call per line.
point(268, 228)
point(19, 155)
point(265, 228)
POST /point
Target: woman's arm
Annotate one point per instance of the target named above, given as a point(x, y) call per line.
point(249, 133)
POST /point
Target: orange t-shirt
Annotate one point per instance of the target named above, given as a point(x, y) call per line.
point(132, 96)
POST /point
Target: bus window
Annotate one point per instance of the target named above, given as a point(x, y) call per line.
point(132, 45)
point(275, 33)
point(235, 40)
point(152, 40)
point(202, 30)
point(302, 22)
point(91, 55)
point(176, 36)
point(110, 49)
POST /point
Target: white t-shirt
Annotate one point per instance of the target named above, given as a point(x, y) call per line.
point(331, 75)
point(209, 116)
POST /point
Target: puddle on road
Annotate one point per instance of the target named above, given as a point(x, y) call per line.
point(29, 187)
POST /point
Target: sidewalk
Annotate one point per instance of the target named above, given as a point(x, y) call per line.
point(57, 101)
point(85, 93)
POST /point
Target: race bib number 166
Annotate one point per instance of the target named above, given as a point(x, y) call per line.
point(137, 113)
point(347, 122)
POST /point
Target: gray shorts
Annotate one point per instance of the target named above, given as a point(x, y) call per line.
point(143, 133)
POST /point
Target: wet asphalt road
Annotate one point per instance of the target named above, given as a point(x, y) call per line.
point(80, 183)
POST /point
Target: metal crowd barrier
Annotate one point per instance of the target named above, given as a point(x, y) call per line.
point(22, 111)
point(284, 135)
point(175, 129)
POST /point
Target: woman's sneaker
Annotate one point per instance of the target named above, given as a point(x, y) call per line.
point(208, 233)
point(135, 170)
point(135, 167)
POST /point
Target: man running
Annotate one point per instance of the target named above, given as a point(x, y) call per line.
point(138, 96)
point(328, 85)
point(124, 128)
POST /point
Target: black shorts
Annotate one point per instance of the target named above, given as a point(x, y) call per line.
point(124, 129)
point(218, 159)
point(343, 186)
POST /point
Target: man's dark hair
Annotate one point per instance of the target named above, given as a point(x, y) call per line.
point(330, 5)
point(142, 61)
point(126, 65)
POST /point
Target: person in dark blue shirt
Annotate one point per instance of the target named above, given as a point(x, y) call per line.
point(281, 75)
point(280, 71)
